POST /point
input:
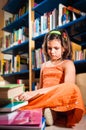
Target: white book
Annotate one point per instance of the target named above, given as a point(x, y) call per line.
point(13, 106)
point(42, 19)
point(20, 33)
point(54, 15)
point(37, 58)
point(51, 21)
point(61, 6)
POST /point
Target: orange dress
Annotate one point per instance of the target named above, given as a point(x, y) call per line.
point(65, 97)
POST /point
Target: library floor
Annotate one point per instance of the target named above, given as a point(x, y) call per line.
point(80, 126)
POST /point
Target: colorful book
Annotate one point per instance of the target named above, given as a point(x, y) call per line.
point(25, 127)
point(20, 63)
point(54, 19)
point(13, 106)
point(26, 119)
point(84, 54)
point(11, 90)
point(76, 10)
point(43, 123)
point(5, 101)
point(75, 48)
point(64, 15)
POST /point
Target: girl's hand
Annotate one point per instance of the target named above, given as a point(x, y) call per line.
point(28, 95)
point(24, 96)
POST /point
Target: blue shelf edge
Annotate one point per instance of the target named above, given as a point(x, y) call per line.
point(11, 49)
point(13, 6)
point(65, 27)
point(21, 21)
point(72, 22)
point(36, 69)
point(80, 66)
point(15, 73)
point(47, 5)
point(40, 36)
point(79, 61)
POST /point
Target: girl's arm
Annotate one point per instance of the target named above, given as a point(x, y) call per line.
point(33, 94)
point(69, 71)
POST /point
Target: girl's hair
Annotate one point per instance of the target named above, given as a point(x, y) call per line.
point(65, 42)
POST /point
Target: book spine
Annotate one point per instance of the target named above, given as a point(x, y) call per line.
point(10, 93)
point(76, 10)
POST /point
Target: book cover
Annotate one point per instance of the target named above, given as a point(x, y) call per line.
point(23, 63)
point(9, 86)
point(64, 15)
point(25, 127)
point(54, 19)
point(84, 54)
point(17, 63)
point(41, 25)
point(11, 90)
point(5, 101)
point(75, 48)
point(43, 123)
point(13, 106)
point(61, 6)
point(19, 117)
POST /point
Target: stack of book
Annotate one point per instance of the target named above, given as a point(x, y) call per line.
point(7, 94)
point(11, 117)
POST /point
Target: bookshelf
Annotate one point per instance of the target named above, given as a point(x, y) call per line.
point(16, 26)
point(76, 29)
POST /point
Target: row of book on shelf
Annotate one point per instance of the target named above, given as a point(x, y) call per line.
point(16, 37)
point(48, 21)
point(52, 19)
point(16, 16)
point(38, 58)
point(79, 55)
point(78, 52)
point(22, 62)
point(16, 64)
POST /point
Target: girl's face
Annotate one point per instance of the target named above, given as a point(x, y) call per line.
point(54, 49)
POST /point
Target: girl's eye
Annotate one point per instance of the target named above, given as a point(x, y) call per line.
point(49, 48)
point(56, 48)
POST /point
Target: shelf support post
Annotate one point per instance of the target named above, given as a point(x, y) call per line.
point(31, 42)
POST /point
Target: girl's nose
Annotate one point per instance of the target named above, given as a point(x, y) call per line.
point(52, 50)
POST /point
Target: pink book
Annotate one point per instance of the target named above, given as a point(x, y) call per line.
point(22, 117)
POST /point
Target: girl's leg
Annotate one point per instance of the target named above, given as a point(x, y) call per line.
point(50, 116)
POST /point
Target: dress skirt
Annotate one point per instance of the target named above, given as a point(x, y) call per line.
point(62, 98)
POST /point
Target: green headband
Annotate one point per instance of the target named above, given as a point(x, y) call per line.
point(56, 32)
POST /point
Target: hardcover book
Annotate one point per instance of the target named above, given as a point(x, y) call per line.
point(5, 101)
point(11, 90)
point(13, 106)
point(26, 119)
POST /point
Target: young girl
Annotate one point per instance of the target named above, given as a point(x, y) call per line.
point(61, 99)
